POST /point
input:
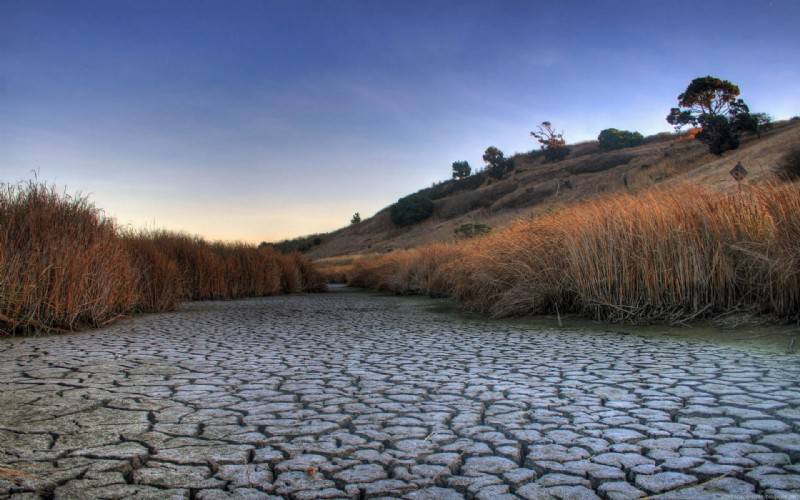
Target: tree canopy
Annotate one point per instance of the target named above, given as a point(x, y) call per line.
point(496, 161)
point(461, 169)
point(713, 105)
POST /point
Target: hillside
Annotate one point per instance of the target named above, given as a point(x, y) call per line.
point(535, 186)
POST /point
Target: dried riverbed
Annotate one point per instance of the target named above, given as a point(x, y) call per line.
point(351, 394)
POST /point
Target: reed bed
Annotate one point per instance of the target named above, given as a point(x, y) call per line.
point(64, 265)
point(664, 255)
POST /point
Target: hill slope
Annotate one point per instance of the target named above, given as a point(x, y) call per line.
point(534, 187)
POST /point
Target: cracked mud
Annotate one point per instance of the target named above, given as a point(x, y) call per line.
point(353, 395)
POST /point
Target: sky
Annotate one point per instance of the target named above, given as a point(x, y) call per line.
point(261, 120)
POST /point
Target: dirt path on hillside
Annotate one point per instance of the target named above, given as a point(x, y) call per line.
point(350, 394)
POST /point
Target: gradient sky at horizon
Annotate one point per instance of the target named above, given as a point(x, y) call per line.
point(261, 120)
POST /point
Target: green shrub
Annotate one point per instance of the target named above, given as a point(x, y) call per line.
point(411, 209)
point(612, 138)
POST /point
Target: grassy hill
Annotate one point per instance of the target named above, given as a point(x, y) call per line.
point(536, 187)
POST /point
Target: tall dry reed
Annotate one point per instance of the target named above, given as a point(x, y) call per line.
point(63, 264)
point(673, 255)
point(61, 261)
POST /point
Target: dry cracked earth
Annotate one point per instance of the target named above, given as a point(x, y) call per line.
point(355, 395)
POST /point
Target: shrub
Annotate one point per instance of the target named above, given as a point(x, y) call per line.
point(612, 138)
point(497, 163)
point(356, 219)
point(411, 209)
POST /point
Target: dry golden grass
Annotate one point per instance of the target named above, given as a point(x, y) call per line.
point(61, 261)
point(63, 264)
point(338, 269)
point(674, 255)
point(534, 188)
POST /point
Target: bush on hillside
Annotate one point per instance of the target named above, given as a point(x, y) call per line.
point(612, 138)
point(411, 209)
point(497, 163)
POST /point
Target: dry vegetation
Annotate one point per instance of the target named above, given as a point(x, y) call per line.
point(535, 187)
point(337, 269)
point(667, 254)
point(64, 265)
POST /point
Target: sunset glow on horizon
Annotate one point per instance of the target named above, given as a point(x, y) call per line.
point(260, 121)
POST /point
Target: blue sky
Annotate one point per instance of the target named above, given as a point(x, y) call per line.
point(259, 120)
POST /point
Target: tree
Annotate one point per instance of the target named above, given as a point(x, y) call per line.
point(497, 163)
point(461, 169)
point(553, 143)
point(612, 138)
point(356, 218)
point(714, 106)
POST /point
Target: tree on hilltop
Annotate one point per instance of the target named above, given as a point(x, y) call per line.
point(497, 163)
point(461, 169)
point(713, 105)
point(552, 142)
